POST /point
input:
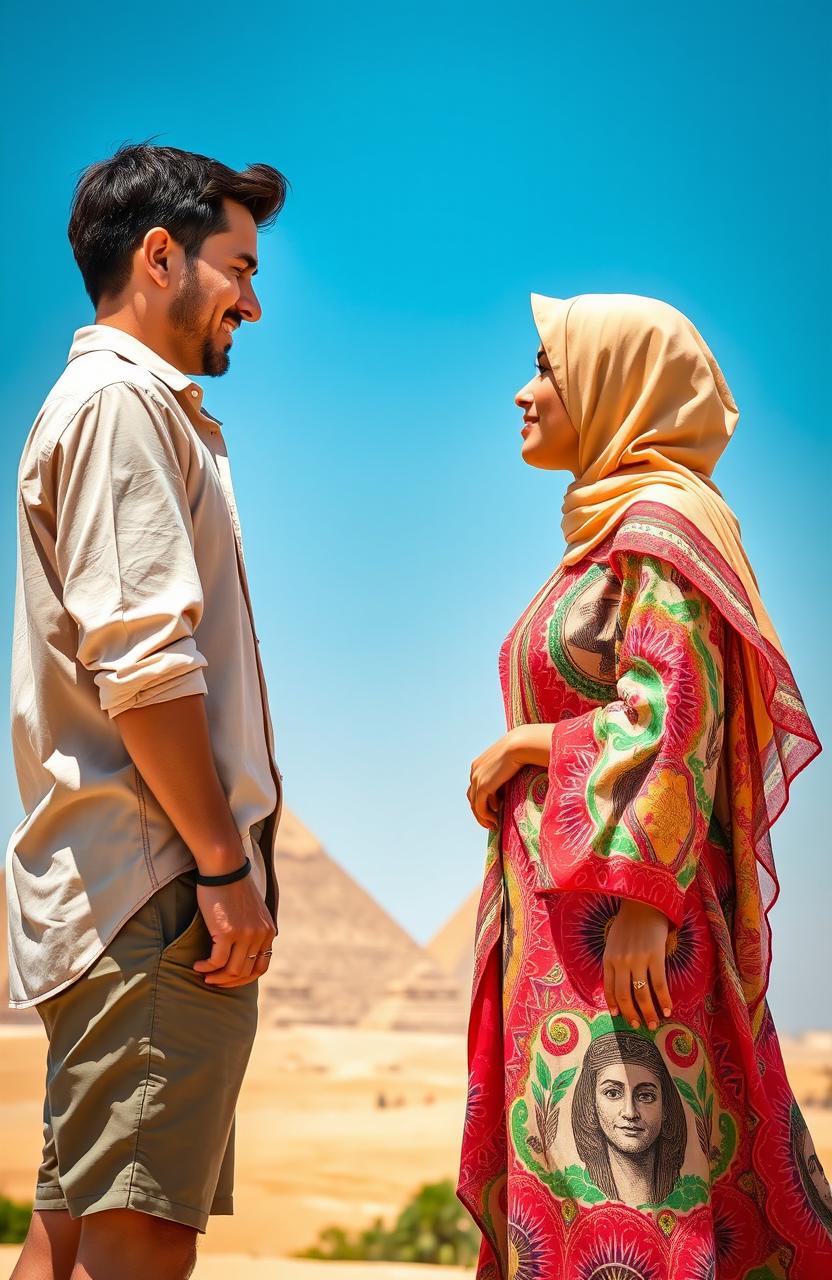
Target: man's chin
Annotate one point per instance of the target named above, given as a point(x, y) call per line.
point(214, 363)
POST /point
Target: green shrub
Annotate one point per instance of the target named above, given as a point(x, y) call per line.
point(432, 1228)
point(14, 1221)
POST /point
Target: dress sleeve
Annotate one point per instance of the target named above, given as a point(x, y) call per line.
point(125, 554)
point(631, 783)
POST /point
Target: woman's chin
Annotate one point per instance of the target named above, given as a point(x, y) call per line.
point(534, 454)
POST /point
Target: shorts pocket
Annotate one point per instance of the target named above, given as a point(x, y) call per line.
point(180, 919)
point(181, 941)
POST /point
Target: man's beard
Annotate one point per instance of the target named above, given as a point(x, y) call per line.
point(186, 316)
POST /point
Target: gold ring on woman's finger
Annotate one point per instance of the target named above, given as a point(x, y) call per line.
point(638, 983)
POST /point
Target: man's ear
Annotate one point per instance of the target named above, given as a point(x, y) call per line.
point(157, 250)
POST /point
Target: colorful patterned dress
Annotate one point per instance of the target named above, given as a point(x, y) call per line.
point(593, 1151)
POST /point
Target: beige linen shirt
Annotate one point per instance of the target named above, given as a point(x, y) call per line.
point(131, 589)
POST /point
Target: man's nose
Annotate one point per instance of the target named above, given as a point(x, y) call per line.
point(249, 306)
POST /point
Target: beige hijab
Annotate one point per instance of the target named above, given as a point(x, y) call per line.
point(653, 414)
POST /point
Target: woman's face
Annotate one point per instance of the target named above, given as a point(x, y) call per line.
point(628, 1100)
point(549, 439)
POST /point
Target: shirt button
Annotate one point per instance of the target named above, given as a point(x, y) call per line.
point(194, 394)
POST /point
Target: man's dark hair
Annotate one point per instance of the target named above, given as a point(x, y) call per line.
point(117, 201)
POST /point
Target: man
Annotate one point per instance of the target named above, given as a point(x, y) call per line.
point(141, 889)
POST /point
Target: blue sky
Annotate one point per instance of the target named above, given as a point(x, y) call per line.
point(446, 160)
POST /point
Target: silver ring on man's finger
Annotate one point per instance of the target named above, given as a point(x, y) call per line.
point(259, 953)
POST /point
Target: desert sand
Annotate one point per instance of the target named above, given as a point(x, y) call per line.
point(314, 1148)
point(241, 1266)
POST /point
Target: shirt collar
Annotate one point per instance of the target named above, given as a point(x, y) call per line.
point(104, 337)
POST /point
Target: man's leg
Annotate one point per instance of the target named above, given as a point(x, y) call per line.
point(124, 1244)
point(49, 1249)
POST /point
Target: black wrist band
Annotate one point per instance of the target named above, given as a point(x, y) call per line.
point(239, 874)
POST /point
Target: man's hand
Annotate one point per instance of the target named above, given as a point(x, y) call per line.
point(241, 928)
point(635, 954)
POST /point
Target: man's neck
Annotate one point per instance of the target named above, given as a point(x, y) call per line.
point(126, 319)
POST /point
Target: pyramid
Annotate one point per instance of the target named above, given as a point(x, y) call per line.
point(426, 999)
point(336, 952)
point(453, 946)
point(337, 949)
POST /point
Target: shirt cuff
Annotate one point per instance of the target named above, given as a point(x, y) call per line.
point(179, 686)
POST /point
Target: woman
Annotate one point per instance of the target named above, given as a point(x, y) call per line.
point(654, 728)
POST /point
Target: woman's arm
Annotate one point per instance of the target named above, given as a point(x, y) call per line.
point(637, 938)
point(527, 744)
point(631, 782)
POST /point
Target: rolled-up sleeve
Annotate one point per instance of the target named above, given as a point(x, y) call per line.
point(125, 550)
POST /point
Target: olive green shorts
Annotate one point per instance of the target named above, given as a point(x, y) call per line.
point(144, 1067)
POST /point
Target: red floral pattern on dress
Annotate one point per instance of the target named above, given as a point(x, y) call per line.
point(592, 1151)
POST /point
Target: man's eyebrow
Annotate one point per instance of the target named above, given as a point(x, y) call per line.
point(249, 260)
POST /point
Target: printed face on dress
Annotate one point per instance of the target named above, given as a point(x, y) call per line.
point(628, 1102)
point(549, 439)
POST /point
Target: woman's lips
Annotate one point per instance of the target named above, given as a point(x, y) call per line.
point(526, 428)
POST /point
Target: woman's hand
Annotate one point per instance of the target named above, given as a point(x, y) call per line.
point(527, 744)
point(635, 952)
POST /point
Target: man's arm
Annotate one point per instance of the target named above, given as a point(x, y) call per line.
point(170, 745)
